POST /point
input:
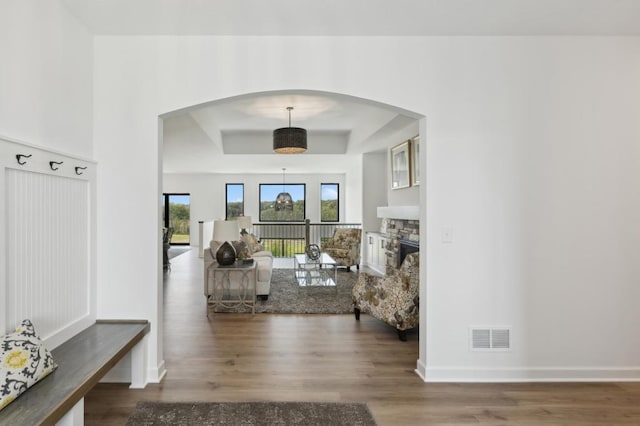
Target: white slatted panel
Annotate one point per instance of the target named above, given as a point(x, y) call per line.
point(47, 249)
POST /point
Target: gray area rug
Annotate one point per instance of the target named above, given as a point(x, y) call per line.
point(177, 251)
point(251, 413)
point(286, 297)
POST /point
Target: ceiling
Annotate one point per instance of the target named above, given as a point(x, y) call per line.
point(227, 135)
point(235, 134)
point(359, 17)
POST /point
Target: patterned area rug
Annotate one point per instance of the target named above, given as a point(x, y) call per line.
point(251, 413)
point(287, 297)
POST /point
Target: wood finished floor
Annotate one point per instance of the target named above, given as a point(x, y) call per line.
point(239, 357)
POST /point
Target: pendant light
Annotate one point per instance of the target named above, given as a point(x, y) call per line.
point(284, 200)
point(289, 140)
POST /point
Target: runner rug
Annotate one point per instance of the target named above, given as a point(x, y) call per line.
point(287, 297)
point(251, 413)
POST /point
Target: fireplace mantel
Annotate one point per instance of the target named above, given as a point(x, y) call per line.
point(399, 212)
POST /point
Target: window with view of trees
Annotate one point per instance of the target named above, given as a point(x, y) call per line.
point(329, 207)
point(176, 215)
point(234, 199)
point(268, 194)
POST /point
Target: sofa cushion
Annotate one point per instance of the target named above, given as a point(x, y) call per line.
point(23, 362)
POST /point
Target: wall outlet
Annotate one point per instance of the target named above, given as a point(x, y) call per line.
point(447, 235)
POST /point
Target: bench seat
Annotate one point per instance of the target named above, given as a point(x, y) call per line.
point(82, 361)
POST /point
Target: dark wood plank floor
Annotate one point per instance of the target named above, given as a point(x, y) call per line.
point(239, 357)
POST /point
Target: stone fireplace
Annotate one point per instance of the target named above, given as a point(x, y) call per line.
point(403, 237)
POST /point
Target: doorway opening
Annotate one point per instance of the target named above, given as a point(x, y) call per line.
point(176, 215)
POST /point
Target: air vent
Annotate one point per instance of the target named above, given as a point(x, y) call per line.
point(490, 338)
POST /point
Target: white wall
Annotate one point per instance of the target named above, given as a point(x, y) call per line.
point(377, 179)
point(45, 77)
point(208, 194)
point(46, 104)
point(531, 158)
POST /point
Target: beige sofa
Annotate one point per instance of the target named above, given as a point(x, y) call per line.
point(249, 247)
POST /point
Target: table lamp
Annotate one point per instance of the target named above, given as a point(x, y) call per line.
point(225, 231)
point(244, 222)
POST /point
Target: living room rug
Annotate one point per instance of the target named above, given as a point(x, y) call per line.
point(177, 251)
point(286, 297)
point(251, 413)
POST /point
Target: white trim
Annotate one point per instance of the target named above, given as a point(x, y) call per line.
point(155, 375)
point(421, 370)
point(63, 334)
point(533, 374)
point(46, 149)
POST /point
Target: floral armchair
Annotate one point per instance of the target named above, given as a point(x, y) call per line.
point(393, 298)
point(344, 247)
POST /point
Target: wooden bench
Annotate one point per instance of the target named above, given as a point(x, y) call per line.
point(82, 361)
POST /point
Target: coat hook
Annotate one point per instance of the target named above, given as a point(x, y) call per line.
point(19, 157)
point(78, 170)
point(51, 163)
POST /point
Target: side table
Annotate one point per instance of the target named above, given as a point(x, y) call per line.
point(232, 286)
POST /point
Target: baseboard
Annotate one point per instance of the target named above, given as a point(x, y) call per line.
point(421, 370)
point(155, 375)
point(559, 374)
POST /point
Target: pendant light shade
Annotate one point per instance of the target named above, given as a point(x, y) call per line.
point(283, 200)
point(289, 140)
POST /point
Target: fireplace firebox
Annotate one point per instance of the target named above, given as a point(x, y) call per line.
point(406, 247)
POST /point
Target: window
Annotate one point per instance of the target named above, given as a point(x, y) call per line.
point(176, 215)
point(269, 192)
point(329, 204)
point(234, 200)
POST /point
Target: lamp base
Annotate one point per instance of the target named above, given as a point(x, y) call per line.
point(226, 254)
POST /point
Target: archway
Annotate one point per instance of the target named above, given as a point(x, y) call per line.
point(391, 122)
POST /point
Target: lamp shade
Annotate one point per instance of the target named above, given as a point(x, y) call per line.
point(225, 230)
point(244, 222)
point(290, 140)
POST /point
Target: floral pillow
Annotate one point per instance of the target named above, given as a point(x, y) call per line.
point(252, 243)
point(242, 251)
point(23, 362)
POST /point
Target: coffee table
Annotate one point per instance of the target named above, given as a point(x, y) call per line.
point(315, 273)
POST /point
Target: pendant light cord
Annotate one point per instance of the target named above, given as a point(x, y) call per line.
point(283, 169)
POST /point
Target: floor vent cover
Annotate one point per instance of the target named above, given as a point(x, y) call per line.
point(490, 339)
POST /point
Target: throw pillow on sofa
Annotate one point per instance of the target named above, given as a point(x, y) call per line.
point(23, 362)
point(252, 243)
